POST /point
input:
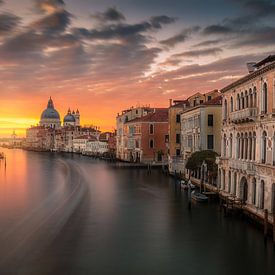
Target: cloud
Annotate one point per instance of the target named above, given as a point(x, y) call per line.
point(8, 22)
point(180, 37)
point(217, 29)
point(208, 43)
point(54, 22)
point(111, 14)
point(49, 6)
point(198, 53)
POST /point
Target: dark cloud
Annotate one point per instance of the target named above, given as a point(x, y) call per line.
point(217, 29)
point(208, 43)
point(8, 22)
point(198, 53)
point(158, 21)
point(124, 30)
point(48, 5)
point(54, 22)
point(111, 14)
point(180, 37)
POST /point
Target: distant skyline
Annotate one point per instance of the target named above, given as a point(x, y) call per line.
point(103, 56)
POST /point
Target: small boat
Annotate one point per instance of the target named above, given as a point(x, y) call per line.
point(186, 184)
point(199, 197)
point(2, 156)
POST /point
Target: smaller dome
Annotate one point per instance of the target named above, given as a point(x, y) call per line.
point(69, 118)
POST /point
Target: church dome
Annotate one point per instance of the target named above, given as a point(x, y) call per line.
point(69, 118)
point(50, 112)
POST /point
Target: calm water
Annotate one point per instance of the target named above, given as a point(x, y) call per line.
point(63, 214)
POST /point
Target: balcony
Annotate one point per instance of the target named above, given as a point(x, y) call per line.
point(245, 115)
point(248, 167)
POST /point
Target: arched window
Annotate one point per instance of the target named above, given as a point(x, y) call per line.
point(231, 104)
point(245, 146)
point(264, 99)
point(242, 146)
point(151, 129)
point(238, 140)
point(262, 195)
point(224, 145)
point(254, 146)
point(230, 145)
point(254, 97)
point(250, 98)
point(225, 109)
point(238, 102)
point(151, 144)
point(250, 146)
point(246, 100)
point(242, 100)
point(263, 147)
point(254, 191)
point(229, 182)
point(235, 184)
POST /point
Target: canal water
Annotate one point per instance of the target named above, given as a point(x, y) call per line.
point(69, 214)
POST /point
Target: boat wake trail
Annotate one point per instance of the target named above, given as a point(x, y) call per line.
point(23, 244)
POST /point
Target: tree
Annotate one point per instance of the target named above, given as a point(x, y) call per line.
point(196, 160)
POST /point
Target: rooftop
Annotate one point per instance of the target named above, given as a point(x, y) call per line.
point(159, 115)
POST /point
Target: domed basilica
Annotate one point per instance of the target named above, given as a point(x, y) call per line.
point(50, 117)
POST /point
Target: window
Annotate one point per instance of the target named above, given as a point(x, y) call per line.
point(210, 142)
point(231, 105)
point(262, 195)
point(264, 97)
point(151, 143)
point(178, 118)
point(151, 129)
point(254, 191)
point(166, 138)
point(178, 138)
point(210, 120)
point(225, 110)
point(209, 97)
point(201, 101)
point(263, 149)
point(177, 152)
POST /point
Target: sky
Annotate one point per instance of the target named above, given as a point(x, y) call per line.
point(103, 56)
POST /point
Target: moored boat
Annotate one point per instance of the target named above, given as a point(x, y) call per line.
point(199, 197)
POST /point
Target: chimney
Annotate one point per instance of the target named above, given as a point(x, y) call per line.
point(170, 102)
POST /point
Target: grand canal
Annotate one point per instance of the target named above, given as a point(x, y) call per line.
point(69, 214)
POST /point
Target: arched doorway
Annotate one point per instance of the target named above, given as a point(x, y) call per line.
point(243, 189)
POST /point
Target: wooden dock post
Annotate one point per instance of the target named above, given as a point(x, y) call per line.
point(265, 224)
point(274, 229)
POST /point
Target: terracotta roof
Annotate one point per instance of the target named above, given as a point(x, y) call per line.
point(159, 115)
point(180, 103)
point(215, 101)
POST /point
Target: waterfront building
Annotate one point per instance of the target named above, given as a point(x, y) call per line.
point(247, 164)
point(50, 135)
point(146, 137)
point(121, 119)
point(201, 129)
point(176, 108)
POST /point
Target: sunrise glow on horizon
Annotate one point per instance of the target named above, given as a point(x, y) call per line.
point(105, 56)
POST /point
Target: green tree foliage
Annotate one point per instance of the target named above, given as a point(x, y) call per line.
point(196, 159)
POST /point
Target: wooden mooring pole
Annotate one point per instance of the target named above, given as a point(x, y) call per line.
point(274, 229)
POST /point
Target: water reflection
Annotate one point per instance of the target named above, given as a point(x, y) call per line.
point(63, 214)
